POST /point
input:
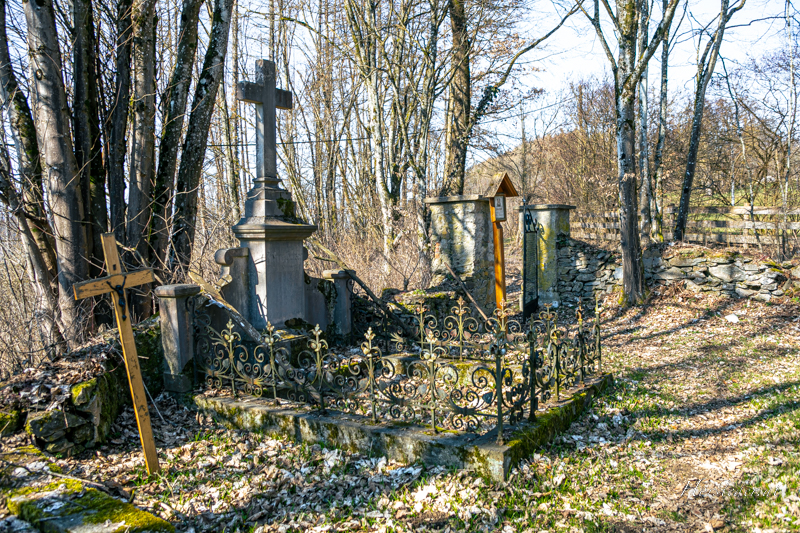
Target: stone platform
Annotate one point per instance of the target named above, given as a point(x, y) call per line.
point(403, 442)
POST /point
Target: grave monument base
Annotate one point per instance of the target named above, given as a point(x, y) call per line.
point(401, 442)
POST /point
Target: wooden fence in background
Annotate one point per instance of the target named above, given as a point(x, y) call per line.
point(731, 226)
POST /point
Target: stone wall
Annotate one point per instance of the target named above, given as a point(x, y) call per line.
point(588, 272)
point(461, 237)
point(80, 415)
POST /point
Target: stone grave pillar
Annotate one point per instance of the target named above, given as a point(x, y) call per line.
point(553, 233)
point(461, 236)
point(177, 335)
point(270, 229)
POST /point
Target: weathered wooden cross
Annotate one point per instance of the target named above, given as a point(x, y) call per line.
point(116, 282)
point(267, 98)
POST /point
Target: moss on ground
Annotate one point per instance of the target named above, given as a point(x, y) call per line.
point(35, 504)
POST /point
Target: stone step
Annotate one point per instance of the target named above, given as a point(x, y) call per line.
point(404, 441)
point(67, 506)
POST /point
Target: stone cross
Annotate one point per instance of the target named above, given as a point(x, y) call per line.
point(267, 98)
point(116, 282)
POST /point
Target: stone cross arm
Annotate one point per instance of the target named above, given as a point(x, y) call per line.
point(267, 99)
point(253, 93)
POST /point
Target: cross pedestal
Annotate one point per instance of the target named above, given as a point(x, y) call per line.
point(269, 228)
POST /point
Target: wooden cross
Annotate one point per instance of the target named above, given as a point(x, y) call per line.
point(267, 98)
point(116, 282)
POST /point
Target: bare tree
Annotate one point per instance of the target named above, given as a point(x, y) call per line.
point(86, 131)
point(627, 69)
point(52, 128)
point(173, 112)
point(705, 69)
point(194, 146)
point(119, 120)
point(39, 250)
point(461, 122)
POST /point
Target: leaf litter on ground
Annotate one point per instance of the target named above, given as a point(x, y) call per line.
point(699, 433)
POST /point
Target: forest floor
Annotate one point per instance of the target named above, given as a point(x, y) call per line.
point(700, 433)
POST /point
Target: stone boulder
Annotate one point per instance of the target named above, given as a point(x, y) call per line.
point(100, 400)
point(727, 272)
point(58, 431)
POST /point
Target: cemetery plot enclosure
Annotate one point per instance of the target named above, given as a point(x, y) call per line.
point(458, 373)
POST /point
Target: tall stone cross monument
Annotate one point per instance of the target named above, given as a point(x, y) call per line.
point(269, 229)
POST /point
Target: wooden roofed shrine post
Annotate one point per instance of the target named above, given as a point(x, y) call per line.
point(117, 282)
point(500, 188)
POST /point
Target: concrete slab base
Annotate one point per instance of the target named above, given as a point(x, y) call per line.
point(403, 442)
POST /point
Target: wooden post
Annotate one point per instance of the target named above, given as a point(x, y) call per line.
point(500, 188)
point(499, 258)
point(116, 282)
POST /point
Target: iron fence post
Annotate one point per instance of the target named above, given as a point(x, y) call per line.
point(532, 364)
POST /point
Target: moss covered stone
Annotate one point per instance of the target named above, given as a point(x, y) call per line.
point(11, 421)
point(50, 426)
point(23, 456)
point(151, 354)
point(67, 505)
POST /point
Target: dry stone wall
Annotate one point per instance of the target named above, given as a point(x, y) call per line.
point(587, 272)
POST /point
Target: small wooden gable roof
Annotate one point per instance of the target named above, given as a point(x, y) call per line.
point(500, 183)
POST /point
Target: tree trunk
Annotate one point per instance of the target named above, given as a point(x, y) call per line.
point(47, 304)
point(656, 210)
point(141, 154)
point(142, 142)
point(52, 126)
point(646, 190)
point(364, 28)
point(460, 102)
point(194, 147)
point(174, 111)
point(632, 269)
point(704, 72)
point(23, 132)
point(119, 121)
point(86, 131)
point(39, 249)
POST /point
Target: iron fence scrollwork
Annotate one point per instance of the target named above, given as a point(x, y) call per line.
point(457, 374)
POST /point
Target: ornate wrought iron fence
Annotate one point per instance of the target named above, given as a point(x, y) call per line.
point(458, 374)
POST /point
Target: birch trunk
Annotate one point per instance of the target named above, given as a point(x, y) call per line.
point(792, 121)
point(52, 127)
point(656, 210)
point(23, 132)
point(632, 269)
point(174, 111)
point(646, 190)
point(628, 68)
point(194, 147)
point(364, 29)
